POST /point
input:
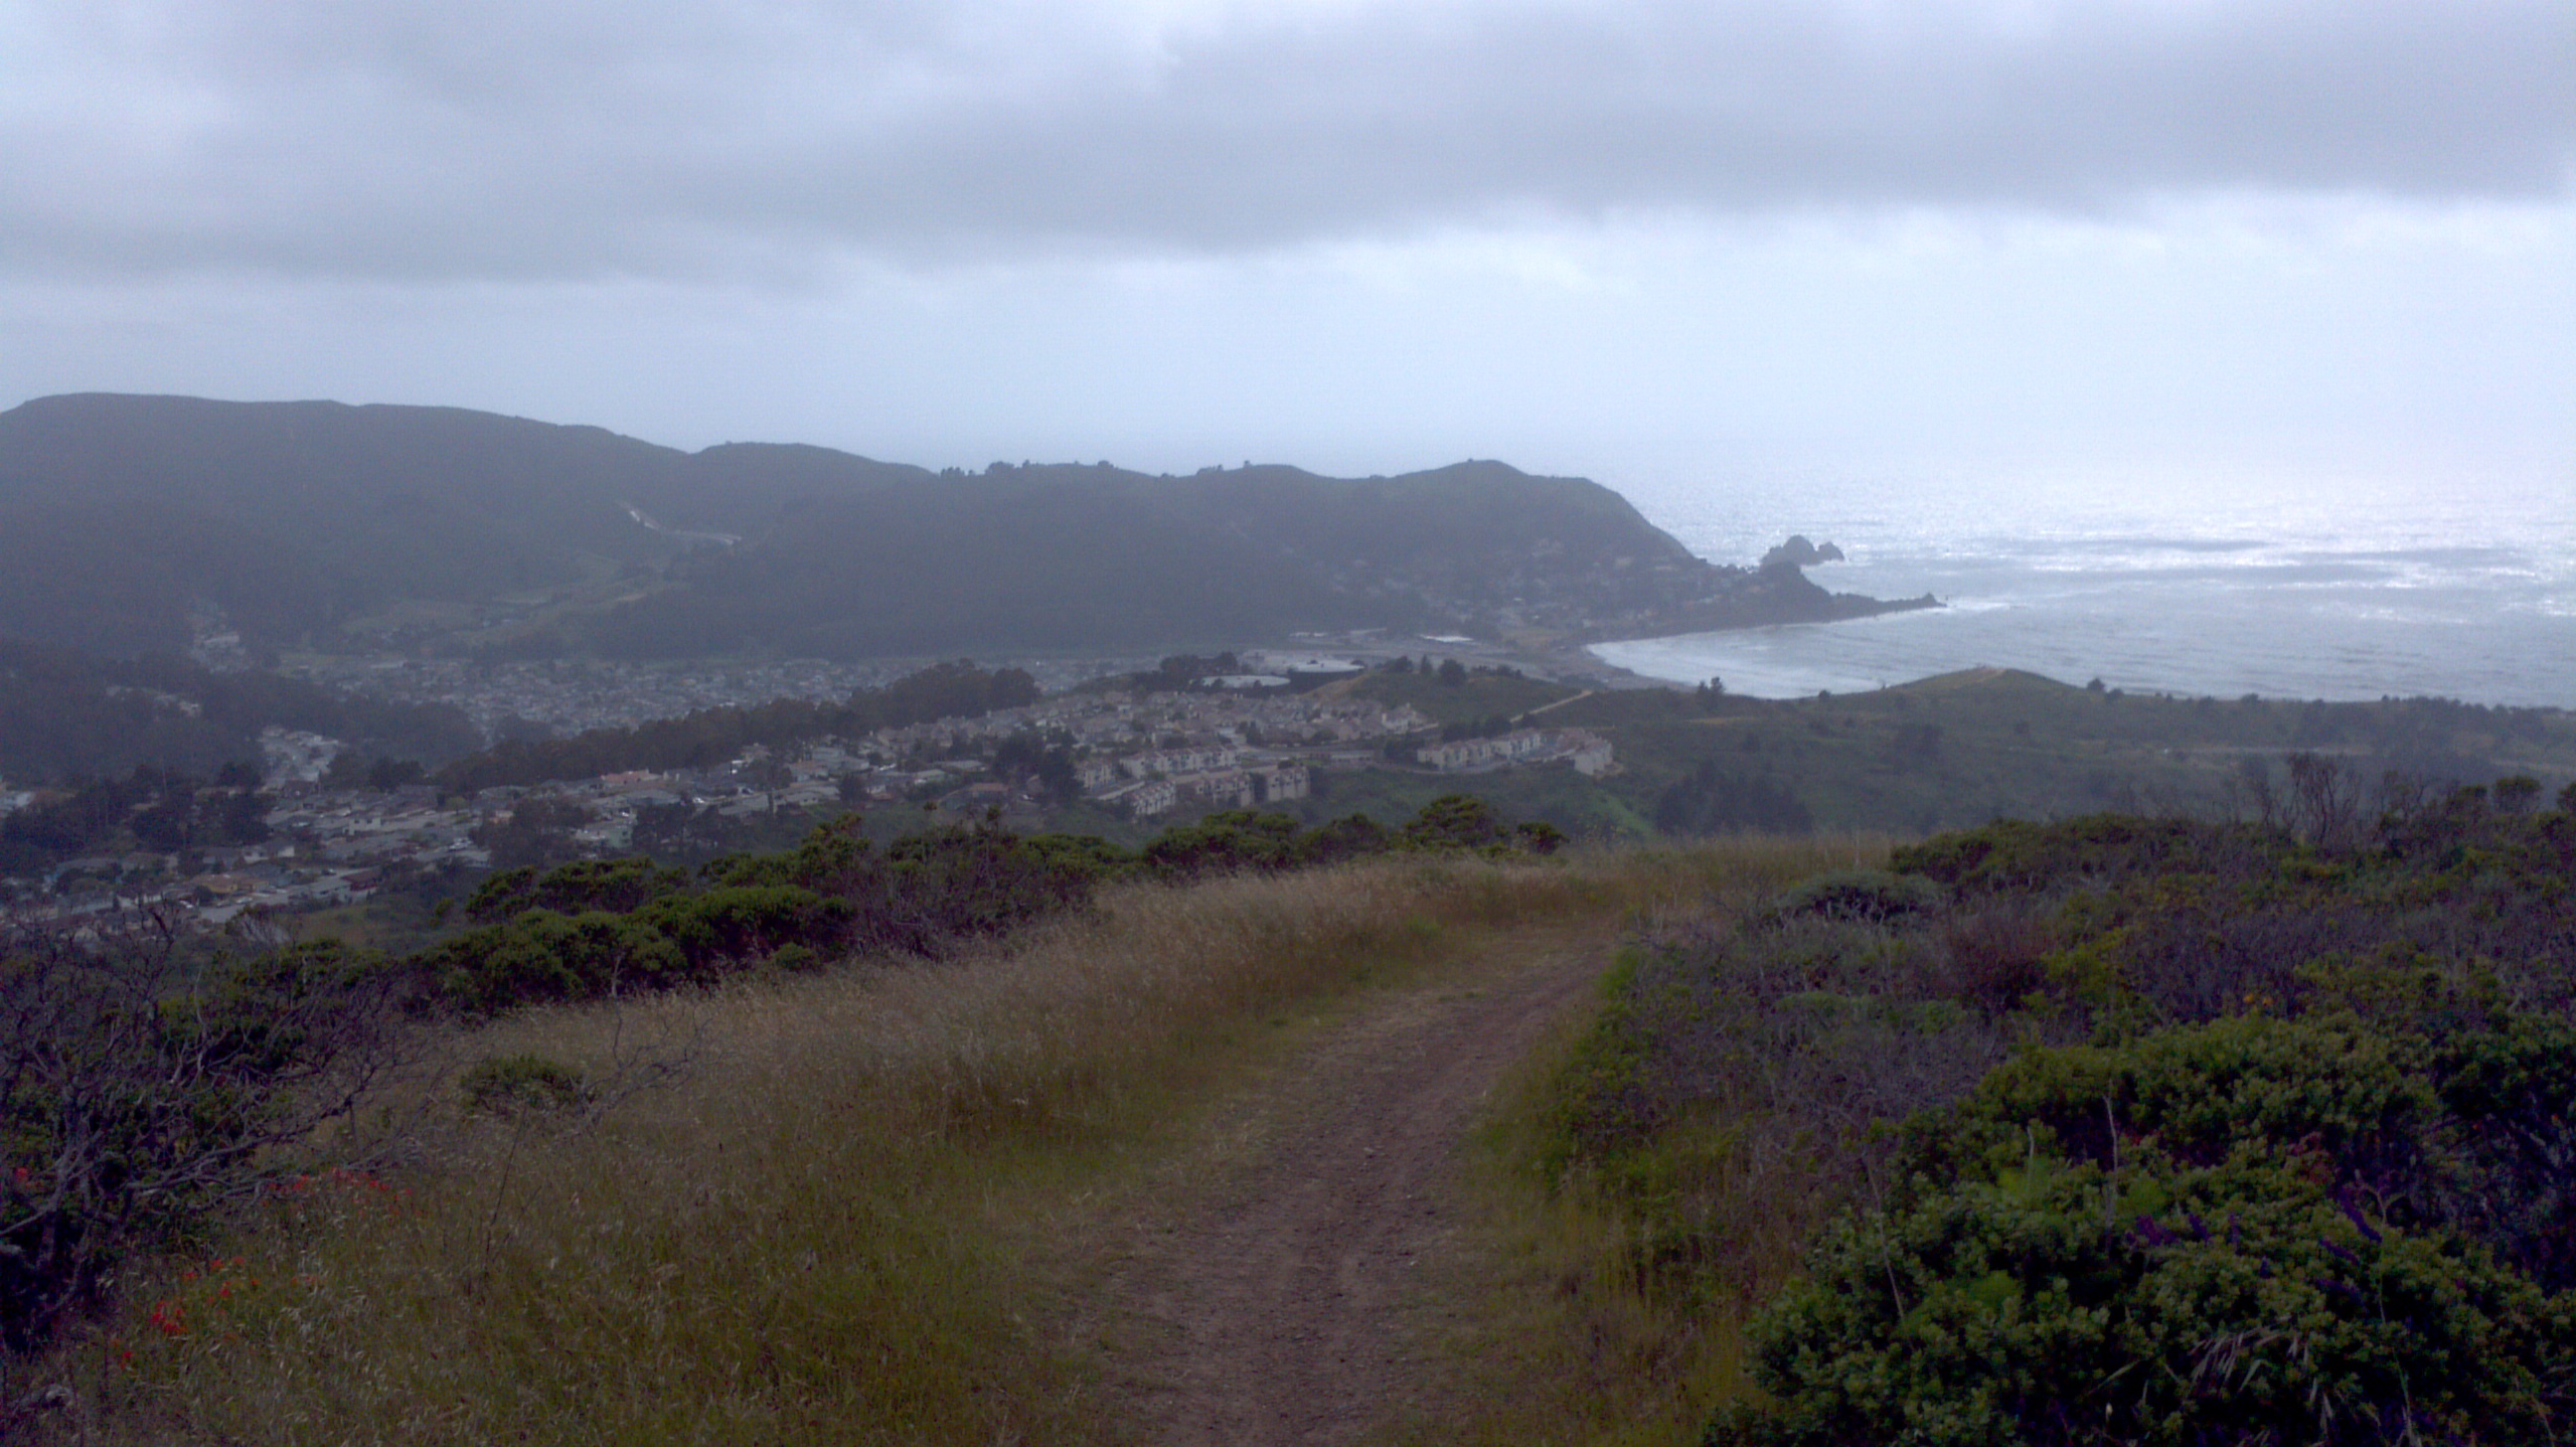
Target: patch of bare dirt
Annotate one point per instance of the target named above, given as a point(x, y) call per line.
point(1268, 1291)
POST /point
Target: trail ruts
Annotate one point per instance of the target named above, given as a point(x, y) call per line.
point(1278, 1298)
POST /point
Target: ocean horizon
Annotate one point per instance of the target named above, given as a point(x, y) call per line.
point(2314, 583)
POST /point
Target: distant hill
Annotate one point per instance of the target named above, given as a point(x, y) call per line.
point(123, 518)
point(67, 716)
point(118, 513)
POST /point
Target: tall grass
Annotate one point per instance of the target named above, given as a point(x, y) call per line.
point(793, 1210)
point(1578, 1339)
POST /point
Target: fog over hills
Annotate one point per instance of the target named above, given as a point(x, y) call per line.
point(122, 518)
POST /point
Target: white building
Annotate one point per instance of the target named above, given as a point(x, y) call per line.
point(1590, 753)
point(1267, 661)
point(1171, 763)
point(1518, 746)
point(1287, 781)
point(1219, 789)
point(1146, 798)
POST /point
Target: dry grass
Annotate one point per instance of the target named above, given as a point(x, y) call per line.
point(798, 1210)
point(1576, 1345)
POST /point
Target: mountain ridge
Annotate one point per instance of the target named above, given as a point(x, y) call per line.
point(126, 521)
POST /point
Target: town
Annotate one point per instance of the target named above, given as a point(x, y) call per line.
point(568, 695)
point(1236, 741)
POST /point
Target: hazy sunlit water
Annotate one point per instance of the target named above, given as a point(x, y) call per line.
point(2222, 582)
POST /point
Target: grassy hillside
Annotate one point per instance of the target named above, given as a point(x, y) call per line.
point(2047, 1108)
point(1559, 796)
point(811, 1198)
point(1965, 748)
point(1941, 753)
point(798, 1209)
point(1474, 699)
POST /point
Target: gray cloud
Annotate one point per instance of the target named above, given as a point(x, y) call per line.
point(561, 138)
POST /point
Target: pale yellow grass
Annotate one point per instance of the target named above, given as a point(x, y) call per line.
point(801, 1209)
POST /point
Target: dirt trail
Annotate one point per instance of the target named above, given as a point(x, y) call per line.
point(1271, 1298)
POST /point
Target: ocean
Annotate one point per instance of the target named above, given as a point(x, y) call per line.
point(2352, 583)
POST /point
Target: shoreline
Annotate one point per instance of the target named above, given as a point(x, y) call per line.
point(1790, 681)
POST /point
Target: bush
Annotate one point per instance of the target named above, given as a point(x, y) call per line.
point(1454, 821)
point(543, 957)
point(615, 885)
point(1709, 801)
point(595, 928)
point(732, 925)
point(1353, 836)
point(2205, 1237)
point(2123, 1130)
point(1227, 842)
point(136, 1096)
point(511, 1084)
point(1860, 896)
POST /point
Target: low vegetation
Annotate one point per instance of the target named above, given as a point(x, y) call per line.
point(146, 1085)
point(791, 1207)
point(138, 1097)
point(2118, 1130)
point(1457, 696)
point(593, 928)
point(2115, 1129)
point(1969, 748)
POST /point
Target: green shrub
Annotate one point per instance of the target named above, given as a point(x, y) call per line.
point(614, 885)
point(2124, 1131)
point(1860, 896)
point(136, 1097)
point(511, 1084)
point(598, 927)
point(1455, 821)
point(543, 956)
point(2016, 856)
point(732, 925)
point(797, 959)
point(1353, 836)
point(1227, 842)
point(2216, 1234)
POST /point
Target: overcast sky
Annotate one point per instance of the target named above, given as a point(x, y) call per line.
point(1364, 235)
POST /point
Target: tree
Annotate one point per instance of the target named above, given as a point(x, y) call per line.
point(768, 774)
point(139, 1094)
point(1458, 820)
point(1709, 801)
point(1915, 743)
point(537, 831)
point(667, 830)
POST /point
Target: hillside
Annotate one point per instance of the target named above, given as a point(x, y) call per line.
point(1072, 1188)
point(67, 715)
point(118, 513)
point(1941, 753)
point(1461, 1142)
point(137, 523)
point(2142, 1131)
point(1962, 748)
